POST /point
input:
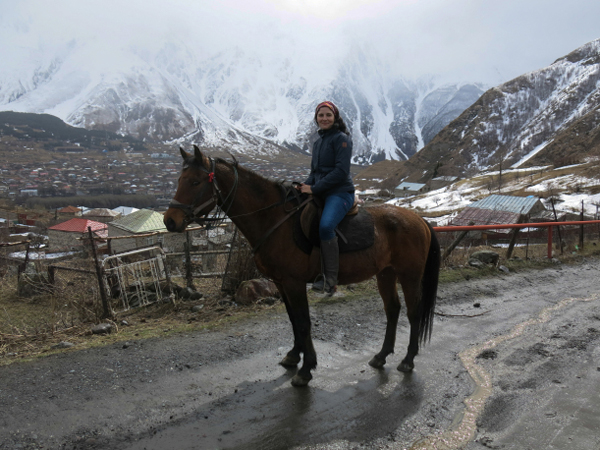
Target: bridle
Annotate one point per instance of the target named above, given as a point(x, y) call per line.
point(192, 212)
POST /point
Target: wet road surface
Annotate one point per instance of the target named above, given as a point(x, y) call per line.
point(513, 363)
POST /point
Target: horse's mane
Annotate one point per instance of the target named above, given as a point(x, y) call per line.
point(254, 179)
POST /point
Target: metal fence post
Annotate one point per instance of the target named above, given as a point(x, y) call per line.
point(51, 277)
point(188, 261)
point(105, 307)
point(582, 218)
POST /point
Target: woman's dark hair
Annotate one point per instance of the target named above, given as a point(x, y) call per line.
point(341, 125)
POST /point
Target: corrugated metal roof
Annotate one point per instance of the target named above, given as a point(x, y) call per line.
point(508, 203)
point(78, 225)
point(141, 221)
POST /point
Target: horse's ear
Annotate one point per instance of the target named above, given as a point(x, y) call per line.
point(197, 153)
point(200, 157)
point(184, 154)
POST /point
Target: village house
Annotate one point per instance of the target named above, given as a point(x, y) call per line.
point(103, 215)
point(66, 236)
point(69, 211)
point(150, 230)
point(125, 210)
point(440, 182)
point(499, 210)
point(406, 189)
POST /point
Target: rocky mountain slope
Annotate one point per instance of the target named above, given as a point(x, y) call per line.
point(549, 116)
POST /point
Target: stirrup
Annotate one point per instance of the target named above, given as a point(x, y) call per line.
point(319, 285)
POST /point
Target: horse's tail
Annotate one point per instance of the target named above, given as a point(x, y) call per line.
point(429, 285)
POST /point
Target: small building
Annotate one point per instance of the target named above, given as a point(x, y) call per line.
point(29, 192)
point(146, 223)
point(367, 193)
point(499, 210)
point(69, 211)
point(406, 189)
point(103, 215)
point(440, 182)
point(125, 210)
point(66, 236)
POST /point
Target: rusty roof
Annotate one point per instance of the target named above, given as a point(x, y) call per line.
point(484, 217)
point(498, 210)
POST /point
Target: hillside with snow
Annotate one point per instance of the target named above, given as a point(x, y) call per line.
point(549, 116)
point(571, 188)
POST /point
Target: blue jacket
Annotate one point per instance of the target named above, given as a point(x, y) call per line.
point(330, 164)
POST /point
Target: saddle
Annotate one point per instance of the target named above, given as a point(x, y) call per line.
point(355, 232)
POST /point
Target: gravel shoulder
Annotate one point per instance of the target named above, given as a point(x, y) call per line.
point(224, 389)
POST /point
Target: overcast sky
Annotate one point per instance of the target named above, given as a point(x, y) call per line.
point(475, 40)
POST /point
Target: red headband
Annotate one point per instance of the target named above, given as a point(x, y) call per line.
point(331, 106)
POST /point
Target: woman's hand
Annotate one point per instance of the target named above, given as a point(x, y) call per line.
point(304, 188)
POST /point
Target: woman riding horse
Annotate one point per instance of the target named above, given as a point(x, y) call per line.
point(330, 180)
point(405, 250)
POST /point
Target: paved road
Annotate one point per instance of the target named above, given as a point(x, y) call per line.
point(514, 363)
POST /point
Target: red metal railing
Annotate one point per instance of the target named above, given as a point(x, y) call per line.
point(549, 225)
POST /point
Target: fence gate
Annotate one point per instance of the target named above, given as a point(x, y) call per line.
point(137, 278)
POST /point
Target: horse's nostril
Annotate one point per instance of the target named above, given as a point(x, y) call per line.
point(170, 224)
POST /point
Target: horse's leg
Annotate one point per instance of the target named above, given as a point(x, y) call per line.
point(298, 306)
point(386, 283)
point(412, 297)
point(293, 356)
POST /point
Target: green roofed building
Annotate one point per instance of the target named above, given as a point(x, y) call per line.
point(146, 228)
point(140, 221)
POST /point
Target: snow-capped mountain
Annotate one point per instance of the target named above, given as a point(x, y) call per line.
point(234, 99)
point(549, 116)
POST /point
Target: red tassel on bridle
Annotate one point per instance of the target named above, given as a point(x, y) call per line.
point(211, 177)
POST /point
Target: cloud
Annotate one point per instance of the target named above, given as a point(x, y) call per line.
point(460, 39)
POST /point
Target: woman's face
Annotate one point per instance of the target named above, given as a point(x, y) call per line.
point(325, 118)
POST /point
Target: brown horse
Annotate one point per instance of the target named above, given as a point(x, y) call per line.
point(406, 250)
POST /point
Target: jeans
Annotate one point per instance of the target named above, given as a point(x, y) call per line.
point(336, 207)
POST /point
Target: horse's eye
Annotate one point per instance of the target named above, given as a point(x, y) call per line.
point(195, 183)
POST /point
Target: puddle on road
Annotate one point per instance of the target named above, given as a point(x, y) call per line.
point(462, 431)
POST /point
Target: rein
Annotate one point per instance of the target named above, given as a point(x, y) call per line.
point(191, 211)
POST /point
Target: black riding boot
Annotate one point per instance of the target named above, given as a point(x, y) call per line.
point(330, 255)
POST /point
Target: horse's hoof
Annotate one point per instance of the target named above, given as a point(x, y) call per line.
point(289, 361)
point(299, 381)
point(376, 362)
point(405, 367)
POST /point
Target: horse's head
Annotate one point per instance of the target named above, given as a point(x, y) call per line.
point(195, 196)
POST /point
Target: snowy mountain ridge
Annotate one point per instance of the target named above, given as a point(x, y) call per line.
point(233, 99)
point(548, 116)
